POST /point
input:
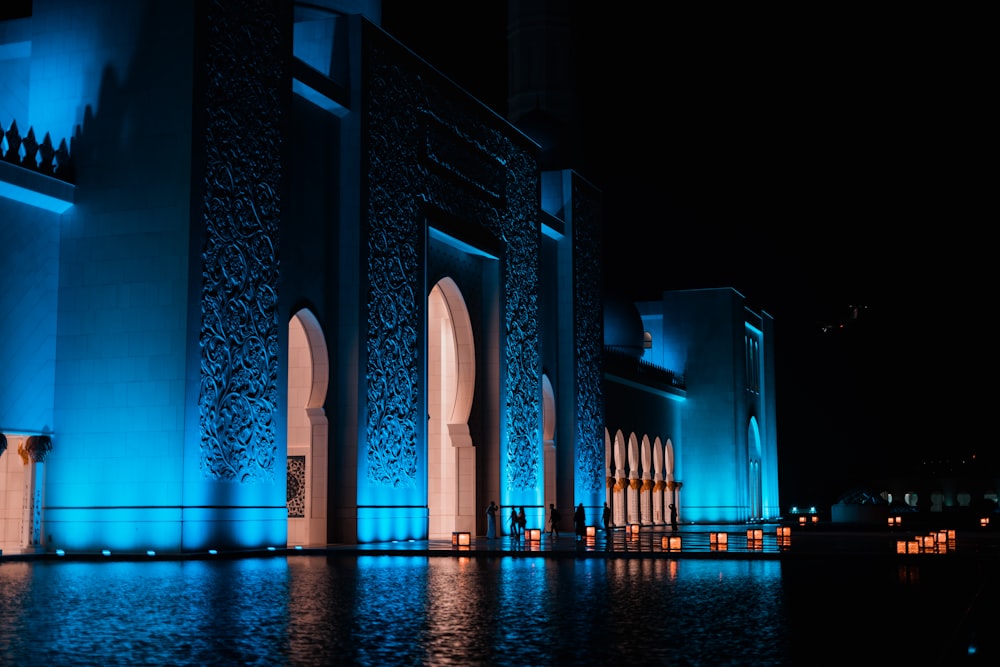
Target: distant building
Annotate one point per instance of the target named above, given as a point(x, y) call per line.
point(273, 280)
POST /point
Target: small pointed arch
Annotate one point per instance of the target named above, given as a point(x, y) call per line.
point(618, 452)
point(633, 454)
point(447, 294)
point(658, 456)
point(669, 460)
point(646, 457)
point(319, 358)
point(548, 409)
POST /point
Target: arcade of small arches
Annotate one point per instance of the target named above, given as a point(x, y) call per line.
point(641, 486)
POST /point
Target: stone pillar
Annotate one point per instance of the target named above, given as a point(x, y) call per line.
point(658, 513)
point(33, 451)
point(632, 499)
point(646, 501)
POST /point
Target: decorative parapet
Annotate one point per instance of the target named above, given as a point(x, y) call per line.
point(28, 153)
point(34, 449)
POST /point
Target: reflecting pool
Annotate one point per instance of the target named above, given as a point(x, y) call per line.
point(403, 610)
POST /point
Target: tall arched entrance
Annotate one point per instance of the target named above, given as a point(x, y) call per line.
point(549, 437)
point(308, 380)
point(451, 380)
point(756, 484)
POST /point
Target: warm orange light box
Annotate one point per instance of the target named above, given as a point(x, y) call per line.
point(671, 542)
point(461, 539)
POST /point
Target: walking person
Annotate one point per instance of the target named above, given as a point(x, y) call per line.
point(607, 519)
point(580, 522)
point(515, 526)
point(554, 520)
point(673, 517)
point(491, 520)
point(522, 521)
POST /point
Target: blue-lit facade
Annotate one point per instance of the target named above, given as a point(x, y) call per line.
point(280, 282)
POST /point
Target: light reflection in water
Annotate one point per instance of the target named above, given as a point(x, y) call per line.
point(376, 610)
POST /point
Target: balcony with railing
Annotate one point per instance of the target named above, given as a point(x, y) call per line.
point(621, 362)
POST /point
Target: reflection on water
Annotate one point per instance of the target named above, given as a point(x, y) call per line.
point(391, 610)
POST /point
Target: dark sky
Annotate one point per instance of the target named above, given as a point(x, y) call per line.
point(812, 161)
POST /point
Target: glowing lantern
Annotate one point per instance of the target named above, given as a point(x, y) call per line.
point(802, 520)
point(670, 542)
point(985, 521)
point(461, 539)
point(784, 531)
point(755, 535)
point(533, 534)
point(591, 531)
point(718, 538)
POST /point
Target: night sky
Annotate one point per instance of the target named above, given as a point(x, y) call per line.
point(830, 166)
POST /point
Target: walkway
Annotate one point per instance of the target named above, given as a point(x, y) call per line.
point(699, 541)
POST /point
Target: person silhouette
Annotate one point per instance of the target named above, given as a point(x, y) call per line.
point(580, 522)
point(515, 526)
point(491, 520)
point(553, 520)
point(606, 518)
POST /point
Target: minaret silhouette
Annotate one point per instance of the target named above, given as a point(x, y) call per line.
point(542, 98)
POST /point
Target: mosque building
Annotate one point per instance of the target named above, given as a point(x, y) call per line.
point(274, 280)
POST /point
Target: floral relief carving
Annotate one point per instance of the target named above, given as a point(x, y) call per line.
point(589, 336)
point(241, 206)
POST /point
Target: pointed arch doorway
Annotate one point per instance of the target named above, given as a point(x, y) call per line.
point(451, 379)
point(308, 431)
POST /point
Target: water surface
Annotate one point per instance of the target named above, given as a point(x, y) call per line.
point(415, 610)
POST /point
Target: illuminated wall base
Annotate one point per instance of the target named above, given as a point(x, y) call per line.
point(234, 528)
point(125, 529)
point(137, 530)
point(384, 524)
